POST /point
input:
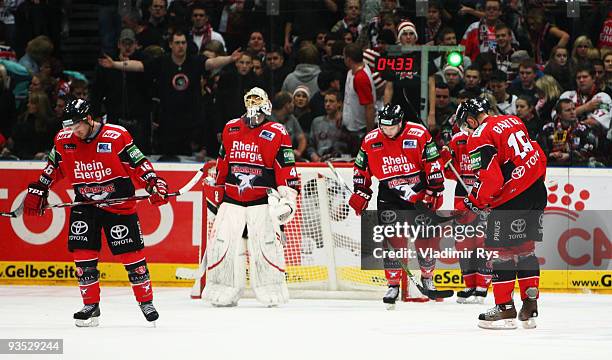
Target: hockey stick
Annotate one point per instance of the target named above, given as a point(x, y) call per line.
point(419, 205)
point(19, 211)
point(432, 294)
point(449, 165)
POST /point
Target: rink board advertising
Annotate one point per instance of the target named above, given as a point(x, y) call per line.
point(575, 253)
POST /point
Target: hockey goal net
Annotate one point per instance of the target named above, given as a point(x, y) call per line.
point(323, 248)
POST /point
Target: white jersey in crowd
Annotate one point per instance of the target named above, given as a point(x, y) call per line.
point(508, 107)
point(602, 114)
point(353, 113)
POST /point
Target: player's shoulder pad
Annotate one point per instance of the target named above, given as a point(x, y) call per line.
point(372, 136)
point(415, 130)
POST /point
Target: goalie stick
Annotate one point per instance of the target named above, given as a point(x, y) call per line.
point(433, 294)
point(19, 211)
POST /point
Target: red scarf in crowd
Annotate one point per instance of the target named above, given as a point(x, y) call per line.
point(205, 32)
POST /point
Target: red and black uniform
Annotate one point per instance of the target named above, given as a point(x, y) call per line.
point(406, 166)
point(105, 166)
point(252, 160)
point(474, 269)
point(510, 170)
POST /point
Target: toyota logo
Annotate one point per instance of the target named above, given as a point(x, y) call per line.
point(518, 225)
point(118, 232)
point(422, 219)
point(79, 227)
point(388, 216)
point(518, 172)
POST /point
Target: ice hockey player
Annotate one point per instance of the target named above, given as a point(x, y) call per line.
point(256, 173)
point(476, 274)
point(510, 171)
point(102, 163)
point(405, 160)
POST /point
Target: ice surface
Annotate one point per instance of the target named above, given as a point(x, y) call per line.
point(570, 326)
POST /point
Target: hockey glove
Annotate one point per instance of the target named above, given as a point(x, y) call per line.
point(282, 204)
point(214, 193)
point(359, 200)
point(158, 188)
point(446, 155)
point(36, 199)
point(433, 199)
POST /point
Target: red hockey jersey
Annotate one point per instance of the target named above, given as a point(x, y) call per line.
point(104, 167)
point(252, 160)
point(505, 160)
point(461, 162)
point(404, 165)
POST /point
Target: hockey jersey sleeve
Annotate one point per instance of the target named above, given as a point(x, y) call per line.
point(490, 179)
point(362, 176)
point(52, 171)
point(284, 164)
point(134, 161)
point(222, 166)
point(432, 164)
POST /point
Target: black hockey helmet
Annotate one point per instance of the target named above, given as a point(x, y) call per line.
point(471, 107)
point(75, 111)
point(390, 115)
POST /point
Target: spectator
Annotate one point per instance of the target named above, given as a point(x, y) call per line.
point(525, 110)
point(607, 59)
point(605, 35)
point(144, 36)
point(158, 24)
point(257, 45)
point(480, 36)
point(447, 37)
point(453, 76)
point(258, 68)
point(444, 110)
point(527, 75)
point(37, 50)
point(177, 79)
point(369, 58)
point(567, 141)
point(276, 70)
point(504, 49)
point(386, 20)
point(7, 22)
point(301, 107)
point(351, 21)
point(235, 22)
point(404, 88)
point(592, 107)
point(7, 104)
point(125, 96)
point(506, 103)
point(359, 97)
point(335, 63)
point(580, 50)
point(6, 51)
point(233, 84)
point(305, 72)
point(79, 89)
point(60, 105)
point(202, 32)
point(282, 112)
point(560, 68)
point(472, 80)
point(35, 18)
point(486, 64)
point(433, 24)
point(305, 18)
point(600, 77)
point(543, 35)
point(327, 81)
point(548, 91)
point(327, 138)
point(33, 133)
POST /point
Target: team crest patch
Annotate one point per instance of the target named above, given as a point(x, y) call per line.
point(267, 135)
point(409, 144)
point(104, 148)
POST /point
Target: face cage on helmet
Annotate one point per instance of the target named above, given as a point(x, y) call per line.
point(255, 108)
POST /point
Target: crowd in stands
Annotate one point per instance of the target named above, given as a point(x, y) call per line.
point(174, 72)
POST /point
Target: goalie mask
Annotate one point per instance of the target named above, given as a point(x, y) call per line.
point(257, 104)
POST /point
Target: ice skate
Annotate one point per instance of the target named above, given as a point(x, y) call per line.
point(466, 296)
point(391, 296)
point(500, 317)
point(148, 310)
point(479, 295)
point(529, 310)
point(87, 316)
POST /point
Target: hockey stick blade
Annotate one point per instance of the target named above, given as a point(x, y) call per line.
point(15, 213)
point(431, 294)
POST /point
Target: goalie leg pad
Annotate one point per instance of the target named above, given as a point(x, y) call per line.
point(226, 273)
point(267, 259)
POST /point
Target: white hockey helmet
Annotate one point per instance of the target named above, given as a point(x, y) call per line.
point(256, 103)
